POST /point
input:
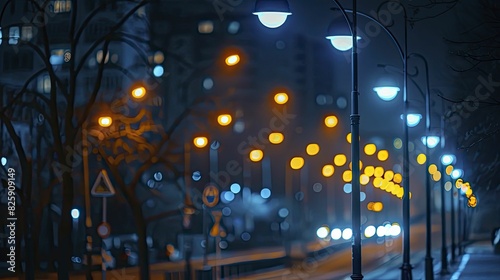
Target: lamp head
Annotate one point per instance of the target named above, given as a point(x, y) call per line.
point(457, 173)
point(387, 88)
point(340, 34)
point(447, 159)
point(412, 120)
point(272, 13)
point(430, 141)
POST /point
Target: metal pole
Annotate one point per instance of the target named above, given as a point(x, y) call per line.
point(355, 195)
point(104, 214)
point(88, 218)
point(460, 217)
point(406, 268)
point(452, 217)
point(187, 203)
point(444, 251)
point(429, 268)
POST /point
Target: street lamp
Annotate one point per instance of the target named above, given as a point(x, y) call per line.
point(278, 11)
point(340, 42)
point(272, 13)
point(430, 142)
point(446, 159)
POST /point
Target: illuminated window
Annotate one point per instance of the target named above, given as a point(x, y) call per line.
point(13, 35)
point(43, 84)
point(205, 27)
point(26, 33)
point(99, 56)
point(61, 6)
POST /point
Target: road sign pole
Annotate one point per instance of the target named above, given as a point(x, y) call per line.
point(104, 209)
point(104, 214)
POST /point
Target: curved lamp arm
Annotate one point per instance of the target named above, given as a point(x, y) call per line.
point(391, 68)
point(428, 92)
point(344, 13)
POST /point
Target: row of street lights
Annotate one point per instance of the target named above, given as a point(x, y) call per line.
point(272, 14)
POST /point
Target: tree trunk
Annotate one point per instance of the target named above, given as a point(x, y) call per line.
point(141, 242)
point(64, 238)
point(28, 222)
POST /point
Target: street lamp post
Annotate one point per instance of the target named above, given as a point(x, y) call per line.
point(460, 224)
point(273, 13)
point(429, 142)
point(452, 221)
point(406, 268)
point(444, 251)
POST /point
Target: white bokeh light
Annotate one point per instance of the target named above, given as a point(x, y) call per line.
point(347, 233)
point(75, 214)
point(322, 232)
point(336, 234)
point(370, 231)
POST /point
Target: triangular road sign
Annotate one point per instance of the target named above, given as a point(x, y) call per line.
point(102, 186)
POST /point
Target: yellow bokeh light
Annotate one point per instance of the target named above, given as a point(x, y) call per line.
point(369, 206)
point(347, 176)
point(398, 144)
point(472, 201)
point(432, 169)
point(224, 119)
point(281, 98)
point(331, 121)
point(364, 179)
point(449, 169)
point(389, 175)
point(383, 155)
point(312, 149)
point(256, 155)
point(378, 206)
point(328, 170)
point(348, 137)
point(377, 182)
point(458, 183)
point(468, 192)
point(370, 149)
point(105, 121)
point(401, 192)
point(138, 92)
point(398, 178)
point(379, 171)
point(360, 165)
point(421, 159)
point(395, 190)
point(297, 163)
point(340, 159)
point(369, 170)
point(232, 60)
point(389, 187)
point(200, 142)
point(384, 184)
point(276, 137)
point(436, 176)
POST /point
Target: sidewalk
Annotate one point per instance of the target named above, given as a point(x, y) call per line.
point(477, 263)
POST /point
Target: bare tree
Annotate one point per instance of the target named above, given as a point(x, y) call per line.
point(61, 102)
